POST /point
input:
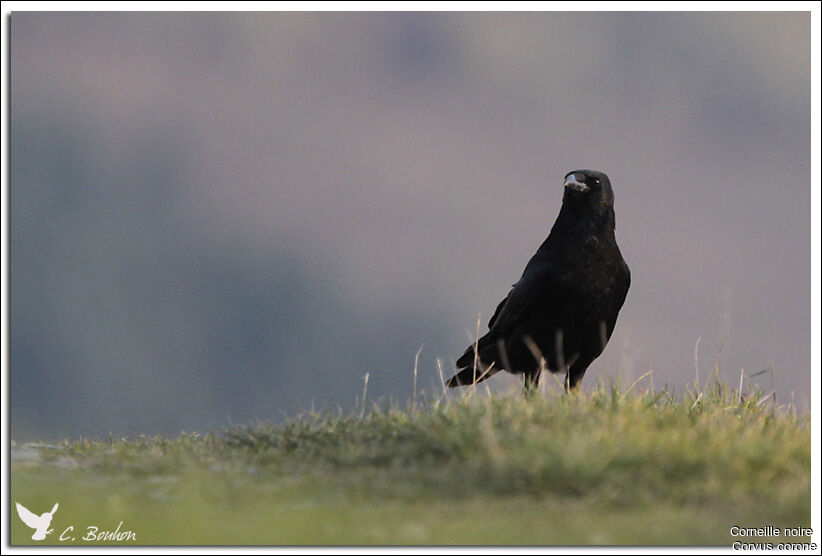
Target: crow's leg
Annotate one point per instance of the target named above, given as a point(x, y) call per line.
point(531, 382)
point(575, 373)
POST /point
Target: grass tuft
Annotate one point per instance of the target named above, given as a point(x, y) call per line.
point(610, 466)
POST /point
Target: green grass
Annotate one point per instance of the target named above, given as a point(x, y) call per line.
point(604, 467)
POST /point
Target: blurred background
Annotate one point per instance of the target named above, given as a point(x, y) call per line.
point(225, 217)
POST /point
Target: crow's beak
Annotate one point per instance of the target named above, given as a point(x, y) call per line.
point(571, 182)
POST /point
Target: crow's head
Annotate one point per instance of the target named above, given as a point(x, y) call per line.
point(588, 188)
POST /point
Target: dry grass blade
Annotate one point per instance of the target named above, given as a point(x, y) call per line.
point(476, 346)
point(442, 378)
point(764, 398)
point(416, 366)
point(739, 392)
point(635, 383)
point(364, 392)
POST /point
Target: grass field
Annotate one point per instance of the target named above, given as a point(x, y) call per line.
point(606, 467)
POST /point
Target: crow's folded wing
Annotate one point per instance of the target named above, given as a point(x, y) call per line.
point(493, 318)
point(538, 283)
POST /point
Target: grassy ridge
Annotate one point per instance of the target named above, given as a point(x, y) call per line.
point(605, 467)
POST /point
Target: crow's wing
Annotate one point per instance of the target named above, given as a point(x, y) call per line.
point(499, 308)
point(538, 282)
point(28, 518)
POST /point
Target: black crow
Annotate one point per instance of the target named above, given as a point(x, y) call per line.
point(561, 312)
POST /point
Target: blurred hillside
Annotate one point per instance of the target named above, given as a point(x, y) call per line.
point(235, 216)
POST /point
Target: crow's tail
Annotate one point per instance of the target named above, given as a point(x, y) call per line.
point(471, 375)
